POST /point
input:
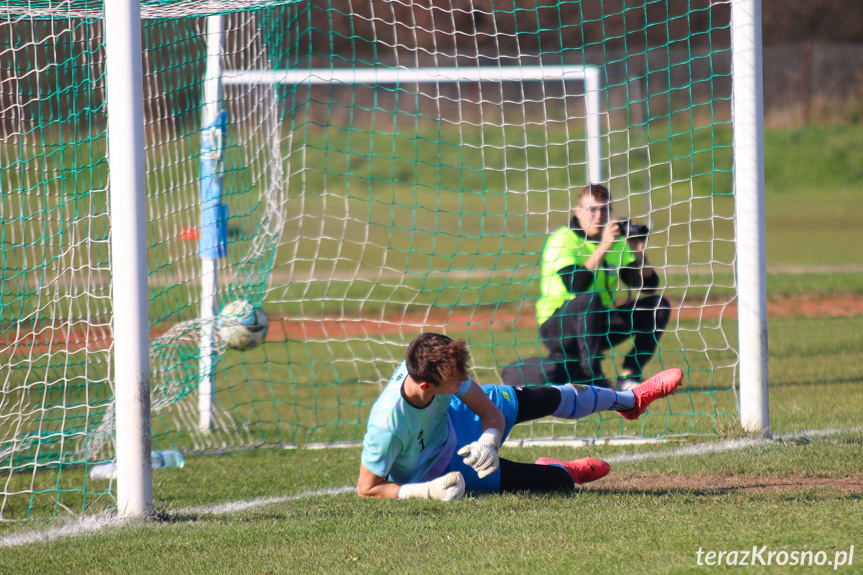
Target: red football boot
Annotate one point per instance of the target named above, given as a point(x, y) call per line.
point(660, 385)
point(582, 470)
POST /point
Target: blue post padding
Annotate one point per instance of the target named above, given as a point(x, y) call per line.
point(214, 231)
point(214, 214)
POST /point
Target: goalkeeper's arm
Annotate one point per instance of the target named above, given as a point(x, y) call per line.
point(482, 454)
point(444, 488)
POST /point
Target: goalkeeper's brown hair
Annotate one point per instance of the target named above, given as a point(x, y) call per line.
point(434, 358)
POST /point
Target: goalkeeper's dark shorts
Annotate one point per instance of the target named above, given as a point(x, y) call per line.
point(468, 428)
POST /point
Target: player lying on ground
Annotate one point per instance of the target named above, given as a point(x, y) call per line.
point(433, 432)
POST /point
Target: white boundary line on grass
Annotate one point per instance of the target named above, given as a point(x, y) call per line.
point(85, 525)
point(527, 442)
point(235, 506)
point(94, 523)
point(730, 445)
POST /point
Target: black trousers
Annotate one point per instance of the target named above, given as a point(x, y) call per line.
point(534, 403)
point(581, 330)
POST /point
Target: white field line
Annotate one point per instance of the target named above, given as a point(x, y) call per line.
point(235, 506)
point(584, 442)
point(694, 449)
point(576, 442)
point(721, 446)
point(84, 526)
point(95, 523)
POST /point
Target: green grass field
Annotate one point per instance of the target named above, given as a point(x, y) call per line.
point(648, 515)
point(651, 515)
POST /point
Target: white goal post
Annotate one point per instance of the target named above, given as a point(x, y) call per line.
point(748, 121)
point(124, 82)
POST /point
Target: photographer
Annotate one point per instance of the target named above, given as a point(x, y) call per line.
point(582, 265)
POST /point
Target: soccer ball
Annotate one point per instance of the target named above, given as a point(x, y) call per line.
point(241, 326)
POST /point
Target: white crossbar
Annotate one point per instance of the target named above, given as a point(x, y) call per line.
point(589, 75)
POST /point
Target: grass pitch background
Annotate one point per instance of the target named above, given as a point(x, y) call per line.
point(792, 495)
point(605, 527)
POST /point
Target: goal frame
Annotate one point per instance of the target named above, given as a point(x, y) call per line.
point(129, 257)
point(216, 78)
point(588, 75)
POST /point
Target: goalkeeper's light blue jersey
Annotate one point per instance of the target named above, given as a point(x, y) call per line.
point(408, 444)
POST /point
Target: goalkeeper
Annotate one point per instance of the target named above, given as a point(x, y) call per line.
point(433, 432)
point(582, 265)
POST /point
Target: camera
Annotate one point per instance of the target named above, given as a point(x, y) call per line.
point(630, 229)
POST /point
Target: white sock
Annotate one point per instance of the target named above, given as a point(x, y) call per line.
point(577, 401)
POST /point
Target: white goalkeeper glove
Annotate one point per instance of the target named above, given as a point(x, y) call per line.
point(445, 488)
point(482, 453)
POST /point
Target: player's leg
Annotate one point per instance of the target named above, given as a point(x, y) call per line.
point(550, 474)
point(573, 401)
point(547, 474)
point(520, 404)
point(570, 401)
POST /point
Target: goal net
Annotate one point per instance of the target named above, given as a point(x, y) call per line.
point(387, 168)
